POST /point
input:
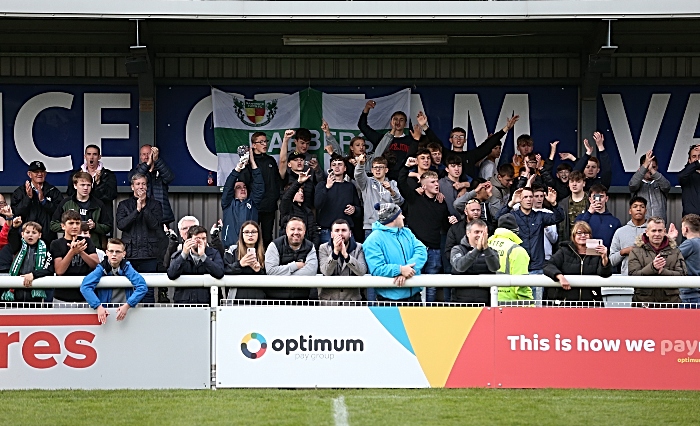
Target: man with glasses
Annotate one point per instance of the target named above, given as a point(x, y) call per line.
point(689, 178)
point(37, 200)
point(114, 264)
point(271, 172)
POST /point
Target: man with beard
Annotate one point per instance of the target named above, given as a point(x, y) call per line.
point(291, 254)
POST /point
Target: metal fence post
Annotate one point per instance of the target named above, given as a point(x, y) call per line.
point(494, 296)
point(214, 292)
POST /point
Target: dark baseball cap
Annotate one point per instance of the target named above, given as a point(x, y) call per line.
point(296, 154)
point(36, 166)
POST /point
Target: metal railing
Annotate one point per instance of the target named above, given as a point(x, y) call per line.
point(492, 281)
point(437, 280)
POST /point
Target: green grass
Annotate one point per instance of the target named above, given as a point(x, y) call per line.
point(365, 407)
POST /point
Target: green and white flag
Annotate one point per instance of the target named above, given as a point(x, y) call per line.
point(236, 119)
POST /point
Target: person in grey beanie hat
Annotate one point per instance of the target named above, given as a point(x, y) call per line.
point(388, 212)
point(391, 250)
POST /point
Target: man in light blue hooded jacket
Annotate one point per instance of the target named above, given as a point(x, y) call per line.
point(391, 250)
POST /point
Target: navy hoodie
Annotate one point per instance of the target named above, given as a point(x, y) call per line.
point(603, 225)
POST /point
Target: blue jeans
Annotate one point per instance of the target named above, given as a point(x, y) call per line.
point(537, 292)
point(324, 235)
point(690, 303)
point(432, 266)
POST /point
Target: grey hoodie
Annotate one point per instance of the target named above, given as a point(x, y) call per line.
point(655, 192)
point(372, 193)
point(500, 196)
point(624, 237)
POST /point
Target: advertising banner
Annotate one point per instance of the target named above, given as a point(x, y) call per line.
point(383, 347)
point(397, 347)
point(153, 348)
point(53, 123)
point(598, 348)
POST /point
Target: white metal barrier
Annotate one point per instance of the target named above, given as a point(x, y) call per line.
point(42, 322)
point(437, 280)
point(319, 281)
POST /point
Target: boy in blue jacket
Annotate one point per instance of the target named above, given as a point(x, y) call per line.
point(391, 250)
point(115, 264)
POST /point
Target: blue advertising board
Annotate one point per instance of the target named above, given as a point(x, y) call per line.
point(53, 123)
point(635, 119)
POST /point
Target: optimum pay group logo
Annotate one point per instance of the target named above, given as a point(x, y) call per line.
point(247, 339)
point(302, 344)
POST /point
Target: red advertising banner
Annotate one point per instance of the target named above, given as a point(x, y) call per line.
point(597, 348)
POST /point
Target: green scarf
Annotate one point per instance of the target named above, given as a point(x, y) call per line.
point(39, 260)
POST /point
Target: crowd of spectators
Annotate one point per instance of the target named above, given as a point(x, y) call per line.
point(412, 207)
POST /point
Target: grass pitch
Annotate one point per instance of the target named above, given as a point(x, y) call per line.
point(356, 407)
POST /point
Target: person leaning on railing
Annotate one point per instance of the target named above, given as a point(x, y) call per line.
point(246, 258)
point(571, 259)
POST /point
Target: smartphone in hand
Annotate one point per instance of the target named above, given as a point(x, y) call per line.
point(591, 245)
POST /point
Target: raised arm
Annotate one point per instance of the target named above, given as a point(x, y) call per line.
point(369, 133)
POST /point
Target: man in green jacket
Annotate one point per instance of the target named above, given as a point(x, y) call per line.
point(92, 211)
point(513, 258)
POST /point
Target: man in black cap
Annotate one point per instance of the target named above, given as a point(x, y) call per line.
point(37, 200)
point(295, 163)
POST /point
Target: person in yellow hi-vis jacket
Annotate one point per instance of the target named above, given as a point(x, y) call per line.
point(513, 258)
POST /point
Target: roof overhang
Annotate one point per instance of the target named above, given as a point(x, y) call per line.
point(351, 10)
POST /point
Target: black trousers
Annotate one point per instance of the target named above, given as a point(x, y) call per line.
point(267, 224)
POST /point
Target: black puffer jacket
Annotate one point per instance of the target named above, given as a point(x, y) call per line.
point(140, 230)
point(567, 261)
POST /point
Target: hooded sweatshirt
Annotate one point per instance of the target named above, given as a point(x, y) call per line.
point(372, 193)
point(386, 250)
point(654, 191)
point(624, 237)
point(603, 225)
